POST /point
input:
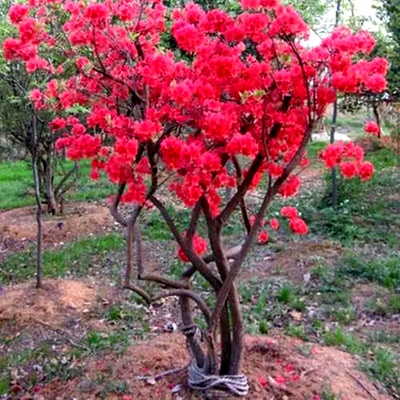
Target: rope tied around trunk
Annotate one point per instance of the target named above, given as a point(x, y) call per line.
point(200, 379)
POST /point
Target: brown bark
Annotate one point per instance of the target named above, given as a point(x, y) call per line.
point(38, 206)
point(375, 110)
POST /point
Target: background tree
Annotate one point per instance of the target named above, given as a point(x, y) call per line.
point(389, 13)
point(19, 120)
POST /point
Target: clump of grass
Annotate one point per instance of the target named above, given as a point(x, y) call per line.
point(385, 272)
point(341, 339)
point(73, 258)
point(384, 367)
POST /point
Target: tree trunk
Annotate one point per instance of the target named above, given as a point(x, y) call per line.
point(375, 110)
point(46, 182)
point(51, 198)
point(237, 332)
point(38, 205)
point(48, 189)
point(334, 188)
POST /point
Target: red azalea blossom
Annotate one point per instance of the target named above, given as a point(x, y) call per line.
point(262, 380)
point(295, 377)
point(298, 226)
point(263, 237)
point(348, 169)
point(57, 124)
point(288, 368)
point(289, 212)
point(372, 128)
point(365, 170)
point(280, 379)
point(199, 245)
point(291, 186)
point(274, 224)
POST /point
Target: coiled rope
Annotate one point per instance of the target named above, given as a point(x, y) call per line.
point(200, 379)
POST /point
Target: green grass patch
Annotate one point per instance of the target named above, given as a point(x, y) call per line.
point(99, 341)
point(385, 367)
point(15, 181)
point(74, 258)
point(383, 271)
point(16, 184)
point(314, 148)
point(367, 212)
point(347, 341)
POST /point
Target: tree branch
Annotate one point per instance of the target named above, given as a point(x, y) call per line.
point(143, 275)
point(187, 293)
point(234, 270)
point(141, 292)
point(114, 206)
point(194, 258)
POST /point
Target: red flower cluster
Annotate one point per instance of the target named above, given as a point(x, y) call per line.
point(372, 128)
point(150, 117)
point(350, 158)
point(296, 224)
point(199, 245)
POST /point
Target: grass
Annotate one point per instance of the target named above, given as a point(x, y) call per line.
point(15, 181)
point(384, 367)
point(367, 211)
point(16, 185)
point(100, 341)
point(368, 214)
point(41, 354)
point(383, 271)
point(347, 341)
point(74, 258)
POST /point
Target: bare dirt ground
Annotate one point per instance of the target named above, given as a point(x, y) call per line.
point(275, 368)
point(86, 339)
point(18, 227)
point(278, 367)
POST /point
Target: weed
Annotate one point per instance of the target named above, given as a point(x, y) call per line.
point(305, 349)
point(262, 327)
point(384, 337)
point(285, 295)
point(385, 272)
point(114, 313)
point(385, 306)
point(99, 341)
point(384, 367)
point(345, 315)
point(4, 384)
point(116, 386)
point(295, 331)
point(349, 342)
point(327, 394)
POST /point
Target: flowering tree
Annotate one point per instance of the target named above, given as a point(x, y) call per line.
point(248, 93)
point(26, 127)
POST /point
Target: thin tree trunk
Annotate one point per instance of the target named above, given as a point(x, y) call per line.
point(334, 188)
point(237, 332)
point(375, 110)
point(51, 199)
point(187, 320)
point(38, 204)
